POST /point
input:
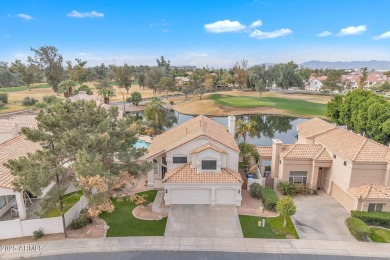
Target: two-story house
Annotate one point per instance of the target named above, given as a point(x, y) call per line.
point(353, 169)
point(197, 163)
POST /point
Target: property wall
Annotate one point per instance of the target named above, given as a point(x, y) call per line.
point(23, 228)
point(4, 209)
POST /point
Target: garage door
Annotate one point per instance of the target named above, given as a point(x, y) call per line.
point(342, 197)
point(226, 197)
point(196, 196)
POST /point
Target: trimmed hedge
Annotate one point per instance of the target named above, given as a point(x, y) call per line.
point(255, 190)
point(269, 198)
point(381, 219)
point(358, 228)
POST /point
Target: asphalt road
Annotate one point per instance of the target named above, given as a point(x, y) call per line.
point(188, 255)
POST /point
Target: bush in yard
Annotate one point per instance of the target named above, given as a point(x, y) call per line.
point(303, 189)
point(358, 228)
point(27, 101)
point(287, 188)
point(269, 198)
point(255, 190)
point(171, 102)
point(381, 219)
point(286, 208)
point(4, 98)
point(38, 233)
point(82, 220)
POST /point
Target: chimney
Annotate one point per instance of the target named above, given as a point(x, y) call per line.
point(232, 125)
point(277, 146)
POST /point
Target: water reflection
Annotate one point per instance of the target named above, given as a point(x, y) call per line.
point(268, 127)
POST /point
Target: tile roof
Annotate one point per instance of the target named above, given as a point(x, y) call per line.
point(6, 126)
point(13, 149)
point(208, 146)
point(351, 146)
point(314, 127)
point(306, 151)
point(186, 174)
point(84, 96)
point(266, 151)
point(371, 191)
point(190, 130)
point(25, 119)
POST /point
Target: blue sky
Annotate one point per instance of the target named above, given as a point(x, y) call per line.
point(198, 32)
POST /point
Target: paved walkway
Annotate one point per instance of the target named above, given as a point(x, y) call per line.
point(275, 246)
point(203, 220)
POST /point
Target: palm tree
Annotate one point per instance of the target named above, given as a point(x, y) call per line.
point(243, 129)
point(105, 90)
point(153, 111)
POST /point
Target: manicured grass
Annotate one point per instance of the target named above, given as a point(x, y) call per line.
point(380, 235)
point(298, 107)
point(123, 223)
point(273, 227)
point(22, 88)
point(68, 201)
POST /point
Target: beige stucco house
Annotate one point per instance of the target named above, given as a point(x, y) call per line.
point(196, 163)
point(353, 169)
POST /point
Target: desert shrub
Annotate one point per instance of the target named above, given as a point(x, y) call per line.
point(358, 228)
point(381, 219)
point(82, 220)
point(38, 233)
point(4, 98)
point(303, 189)
point(255, 190)
point(269, 198)
point(171, 102)
point(27, 101)
point(287, 188)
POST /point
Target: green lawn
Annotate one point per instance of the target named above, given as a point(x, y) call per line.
point(273, 228)
point(123, 223)
point(68, 201)
point(380, 235)
point(22, 88)
point(298, 107)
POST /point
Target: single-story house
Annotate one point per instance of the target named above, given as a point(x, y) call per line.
point(353, 169)
point(196, 163)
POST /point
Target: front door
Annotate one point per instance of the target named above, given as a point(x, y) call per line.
point(320, 177)
point(163, 171)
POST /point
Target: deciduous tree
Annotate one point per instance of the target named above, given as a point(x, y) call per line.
point(286, 207)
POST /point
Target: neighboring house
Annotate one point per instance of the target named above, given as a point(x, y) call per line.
point(181, 81)
point(196, 163)
point(353, 169)
point(10, 128)
point(82, 95)
point(13, 149)
point(315, 83)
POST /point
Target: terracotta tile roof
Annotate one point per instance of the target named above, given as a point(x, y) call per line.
point(208, 146)
point(303, 151)
point(371, 191)
point(323, 155)
point(190, 130)
point(186, 173)
point(314, 127)
point(29, 120)
point(351, 146)
point(264, 151)
point(6, 126)
point(13, 149)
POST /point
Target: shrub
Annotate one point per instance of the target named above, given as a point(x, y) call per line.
point(4, 98)
point(171, 102)
point(255, 190)
point(136, 97)
point(358, 228)
point(38, 233)
point(303, 189)
point(82, 220)
point(27, 101)
point(287, 188)
point(269, 198)
point(381, 219)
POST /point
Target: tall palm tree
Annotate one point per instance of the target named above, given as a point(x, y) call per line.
point(105, 90)
point(243, 129)
point(153, 111)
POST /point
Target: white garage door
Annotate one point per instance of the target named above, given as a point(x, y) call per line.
point(342, 197)
point(227, 197)
point(196, 196)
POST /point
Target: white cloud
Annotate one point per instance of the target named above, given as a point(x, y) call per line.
point(224, 26)
point(92, 14)
point(25, 16)
point(324, 34)
point(383, 36)
point(82, 54)
point(353, 30)
point(270, 35)
point(256, 24)
point(20, 55)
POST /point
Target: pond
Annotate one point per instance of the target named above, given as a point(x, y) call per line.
point(268, 126)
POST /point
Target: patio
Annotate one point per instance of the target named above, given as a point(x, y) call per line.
point(30, 209)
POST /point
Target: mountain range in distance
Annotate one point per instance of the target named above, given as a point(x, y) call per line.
point(371, 65)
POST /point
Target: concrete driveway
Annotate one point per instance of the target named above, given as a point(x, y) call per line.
point(203, 221)
point(321, 217)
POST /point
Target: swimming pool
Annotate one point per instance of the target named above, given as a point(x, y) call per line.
point(141, 144)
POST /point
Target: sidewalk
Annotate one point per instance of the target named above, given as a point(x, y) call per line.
point(276, 246)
